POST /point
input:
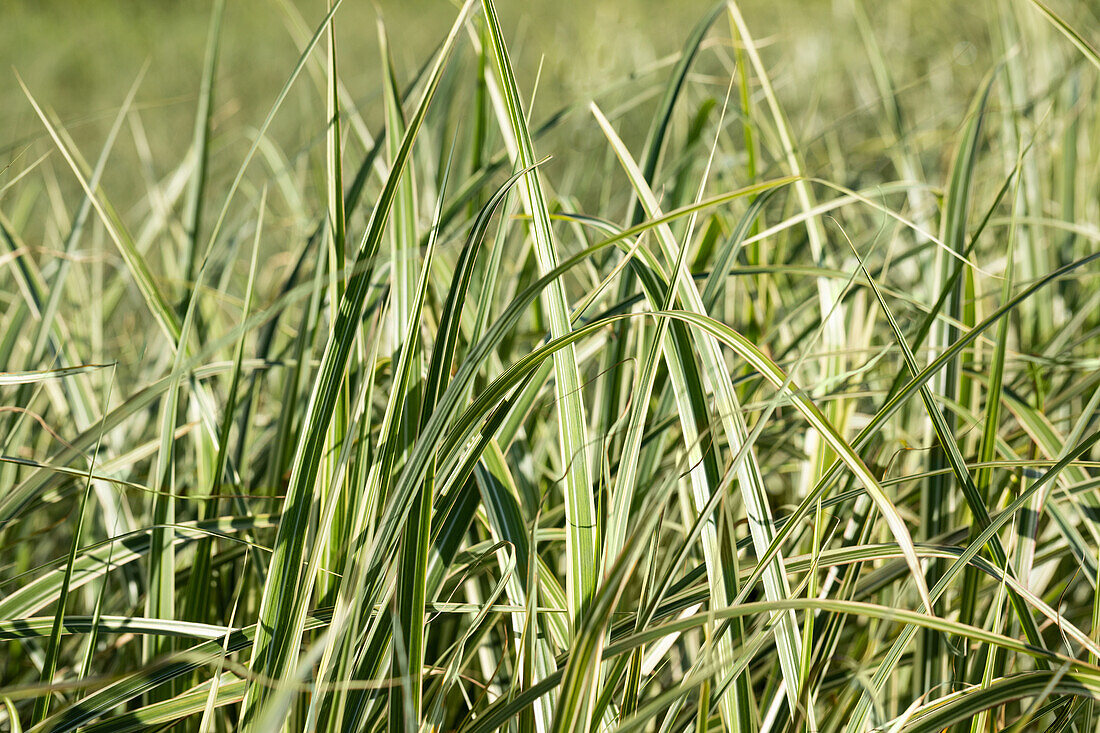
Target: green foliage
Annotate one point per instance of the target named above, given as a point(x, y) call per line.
point(757, 390)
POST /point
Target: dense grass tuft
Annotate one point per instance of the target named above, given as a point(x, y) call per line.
point(756, 390)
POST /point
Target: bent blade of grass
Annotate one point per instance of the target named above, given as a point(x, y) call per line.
point(899, 398)
point(961, 707)
point(832, 310)
point(893, 655)
point(729, 410)
point(614, 356)
point(768, 369)
point(582, 545)
point(861, 553)
point(705, 470)
point(957, 463)
point(1089, 52)
point(503, 709)
point(909, 619)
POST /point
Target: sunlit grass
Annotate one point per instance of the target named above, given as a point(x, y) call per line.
point(717, 401)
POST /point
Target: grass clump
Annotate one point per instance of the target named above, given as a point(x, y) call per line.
point(765, 404)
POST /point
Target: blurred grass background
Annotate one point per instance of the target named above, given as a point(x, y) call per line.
point(82, 57)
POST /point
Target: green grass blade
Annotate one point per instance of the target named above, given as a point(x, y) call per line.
point(200, 143)
point(1089, 52)
point(583, 544)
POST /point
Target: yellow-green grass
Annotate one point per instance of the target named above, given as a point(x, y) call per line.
point(599, 367)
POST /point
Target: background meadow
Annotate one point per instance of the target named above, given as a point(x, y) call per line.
point(549, 367)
